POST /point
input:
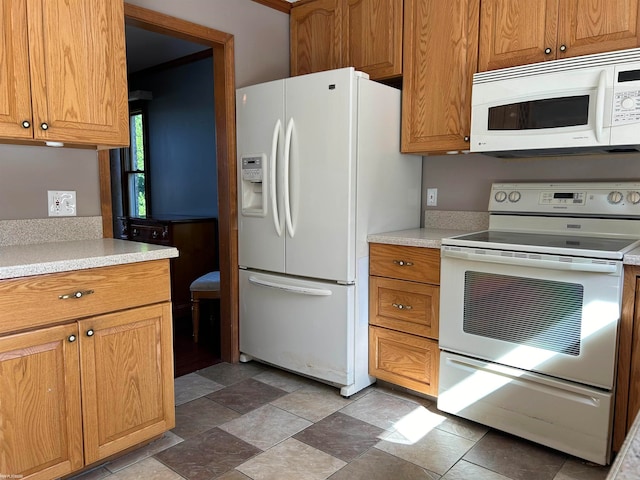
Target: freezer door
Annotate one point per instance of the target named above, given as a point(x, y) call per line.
point(260, 133)
point(321, 121)
point(302, 326)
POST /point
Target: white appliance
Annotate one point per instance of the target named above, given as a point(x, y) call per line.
point(573, 105)
point(319, 168)
point(529, 313)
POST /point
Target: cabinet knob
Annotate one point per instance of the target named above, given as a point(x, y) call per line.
point(400, 306)
point(563, 48)
point(154, 234)
point(72, 338)
point(44, 126)
point(90, 333)
point(26, 124)
point(402, 263)
point(467, 138)
point(547, 51)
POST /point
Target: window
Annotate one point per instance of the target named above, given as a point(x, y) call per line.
point(135, 166)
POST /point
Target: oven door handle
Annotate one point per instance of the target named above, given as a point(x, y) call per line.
point(529, 262)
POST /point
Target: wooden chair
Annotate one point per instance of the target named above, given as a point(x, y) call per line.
point(205, 287)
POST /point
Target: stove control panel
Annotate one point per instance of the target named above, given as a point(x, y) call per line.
point(575, 198)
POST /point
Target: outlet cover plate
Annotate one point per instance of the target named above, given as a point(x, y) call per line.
point(62, 203)
point(432, 197)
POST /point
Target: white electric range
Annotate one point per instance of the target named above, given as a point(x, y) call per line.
point(529, 312)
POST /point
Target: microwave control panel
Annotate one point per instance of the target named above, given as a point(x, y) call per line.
point(626, 95)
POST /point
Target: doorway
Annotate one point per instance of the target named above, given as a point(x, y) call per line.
point(224, 104)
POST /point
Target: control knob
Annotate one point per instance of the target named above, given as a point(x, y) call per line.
point(514, 196)
point(615, 197)
point(500, 196)
point(628, 103)
point(633, 197)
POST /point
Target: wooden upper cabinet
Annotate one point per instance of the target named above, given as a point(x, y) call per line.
point(513, 32)
point(63, 75)
point(440, 58)
point(315, 36)
point(372, 37)
point(598, 26)
point(15, 89)
point(365, 34)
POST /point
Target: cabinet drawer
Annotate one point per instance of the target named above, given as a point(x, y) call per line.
point(156, 234)
point(35, 301)
point(403, 359)
point(406, 306)
point(406, 263)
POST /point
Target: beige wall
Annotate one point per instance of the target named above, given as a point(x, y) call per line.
point(262, 54)
point(464, 181)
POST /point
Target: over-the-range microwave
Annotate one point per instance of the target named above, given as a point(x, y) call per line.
point(588, 104)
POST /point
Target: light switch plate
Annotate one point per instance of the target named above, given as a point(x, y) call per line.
point(62, 203)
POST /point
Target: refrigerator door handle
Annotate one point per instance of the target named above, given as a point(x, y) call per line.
point(287, 187)
point(290, 288)
point(272, 177)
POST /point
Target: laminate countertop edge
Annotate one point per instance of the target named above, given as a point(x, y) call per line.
point(37, 259)
point(415, 237)
point(432, 238)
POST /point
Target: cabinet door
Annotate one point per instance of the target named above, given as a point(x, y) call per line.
point(15, 90)
point(513, 32)
point(406, 360)
point(372, 37)
point(127, 378)
point(40, 418)
point(587, 27)
point(78, 71)
point(440, 57)
point(316, 36)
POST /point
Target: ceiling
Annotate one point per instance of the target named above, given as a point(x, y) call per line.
point(147, 49)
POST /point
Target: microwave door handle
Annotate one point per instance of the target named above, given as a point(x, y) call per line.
point(272, 177)
point(602, 82)
point(530, 262)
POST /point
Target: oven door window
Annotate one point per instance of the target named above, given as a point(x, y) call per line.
point(545, 113)
point(525, 311)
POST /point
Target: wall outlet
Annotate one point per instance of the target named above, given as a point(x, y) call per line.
point(62, 203)
point(432, 197)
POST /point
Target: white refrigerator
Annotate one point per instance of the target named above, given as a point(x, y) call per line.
point(319, 168)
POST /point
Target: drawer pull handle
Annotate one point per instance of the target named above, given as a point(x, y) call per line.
point(78, 294)
point(402, 263)
point(400, 306)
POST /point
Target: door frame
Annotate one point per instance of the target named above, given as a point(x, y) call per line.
point(225, 130)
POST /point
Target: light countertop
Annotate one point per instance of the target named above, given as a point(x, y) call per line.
point(432, 238)
point(627, 464)
point(416, 237)
point(26, 260)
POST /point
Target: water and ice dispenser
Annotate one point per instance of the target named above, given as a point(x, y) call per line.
point(253, 184)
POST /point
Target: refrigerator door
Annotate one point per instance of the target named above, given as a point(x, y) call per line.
point(320, 167)
point(260, 134)
point(303, 326)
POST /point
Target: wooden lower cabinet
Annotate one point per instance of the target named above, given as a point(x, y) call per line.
point(40, 406)
point(403, 359)
point(77, 393)
point(127, 379)
point(404, 305)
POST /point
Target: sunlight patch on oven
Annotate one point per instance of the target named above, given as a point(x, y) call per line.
point(480, 383)
point(413, 426)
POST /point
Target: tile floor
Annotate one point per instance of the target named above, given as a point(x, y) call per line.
point(251, 421)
